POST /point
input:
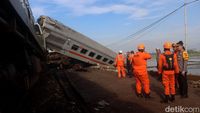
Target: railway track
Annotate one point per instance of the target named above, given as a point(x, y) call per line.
point(53, 93)
point(71, 93)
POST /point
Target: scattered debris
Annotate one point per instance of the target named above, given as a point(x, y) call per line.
point(96, 109)
point(102, 104)
point(104, 68)
point(195, 84)
point(74, 103)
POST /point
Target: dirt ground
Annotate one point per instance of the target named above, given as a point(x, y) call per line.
point(105, 93)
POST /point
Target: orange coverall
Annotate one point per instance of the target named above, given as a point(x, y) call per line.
point(139, 64)
point(168, 76)
point(119, 62)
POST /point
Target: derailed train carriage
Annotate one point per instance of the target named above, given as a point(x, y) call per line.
point(78, 48)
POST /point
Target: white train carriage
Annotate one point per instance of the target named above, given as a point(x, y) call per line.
point(69, 42)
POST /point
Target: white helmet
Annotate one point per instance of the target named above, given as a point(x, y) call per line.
point(120, 51)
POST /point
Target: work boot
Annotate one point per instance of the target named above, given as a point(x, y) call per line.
point(184, 96)
point(147, 95)
point(139, 95)
point(166, 99)
point(172, 99)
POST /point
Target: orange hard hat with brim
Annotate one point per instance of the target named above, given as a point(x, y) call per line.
point(167, 45)
point(141, 46)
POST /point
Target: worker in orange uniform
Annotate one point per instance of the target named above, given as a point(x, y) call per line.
point(167, 68)
point(120, 63)
point(139, 64)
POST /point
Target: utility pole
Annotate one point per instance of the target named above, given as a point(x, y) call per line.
point(185, 24)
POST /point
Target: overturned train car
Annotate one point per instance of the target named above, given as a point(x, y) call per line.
point(78, 48)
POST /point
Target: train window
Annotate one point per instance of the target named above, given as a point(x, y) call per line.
point(105, 59)
point(75, 47)
point(98, 57)
point(84, 51)
point(91, 54)
point(110, 62)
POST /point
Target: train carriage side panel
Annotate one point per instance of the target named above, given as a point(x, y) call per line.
point(62, 39)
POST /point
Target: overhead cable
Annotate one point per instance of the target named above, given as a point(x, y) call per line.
point(152, 24)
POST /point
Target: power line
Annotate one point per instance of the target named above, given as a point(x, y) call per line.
point(152, 24)
point(138, 36)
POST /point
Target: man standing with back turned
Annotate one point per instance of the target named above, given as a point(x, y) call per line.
point(120, 63)
point(139, 64)
point(167, 67)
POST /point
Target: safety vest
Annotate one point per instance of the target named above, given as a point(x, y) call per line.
point(120, 59)
point(185, 56)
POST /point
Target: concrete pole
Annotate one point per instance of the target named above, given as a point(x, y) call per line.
point(185, 24)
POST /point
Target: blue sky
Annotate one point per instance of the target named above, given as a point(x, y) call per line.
point(108, 21)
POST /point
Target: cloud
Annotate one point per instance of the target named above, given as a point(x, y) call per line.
point(135, 1)
point(116, 9)
point(146, 17)
point(89, 7)
point(74, 4)
point(133, 9)
point(158, 3)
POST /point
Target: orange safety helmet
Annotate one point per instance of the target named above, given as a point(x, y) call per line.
point(167, 45)
point(141, 46)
